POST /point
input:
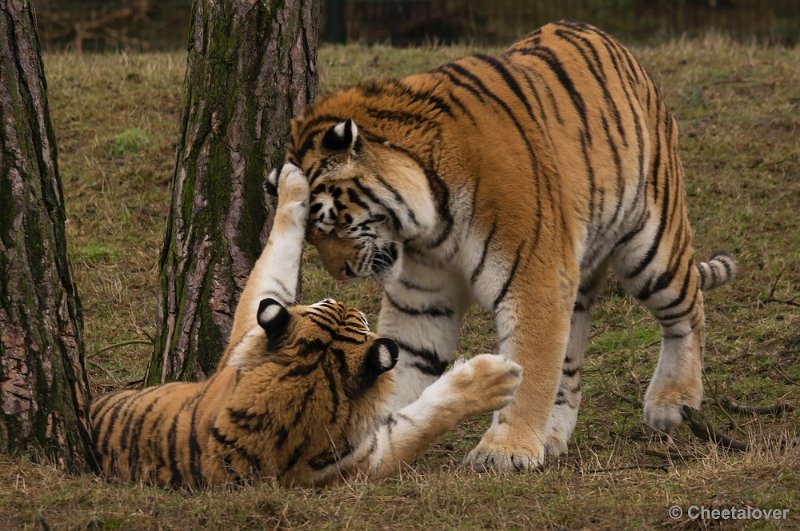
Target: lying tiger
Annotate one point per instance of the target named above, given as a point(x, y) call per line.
point(514, 181)
point(299, 395)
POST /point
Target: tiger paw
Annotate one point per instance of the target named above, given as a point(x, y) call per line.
point(663, 405)
point(293, 191)
point(560, 427)
point(663, 416)
point(500, 454)
point(484, 383)
point(555, 445)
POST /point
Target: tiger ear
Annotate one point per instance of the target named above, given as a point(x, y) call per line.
point(275, 319)
point(342, 137)
point(271, 184)
point(382, 356)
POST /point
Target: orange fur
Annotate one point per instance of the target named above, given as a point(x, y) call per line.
point(519, 177)
point(299, 395)
point(277, 407)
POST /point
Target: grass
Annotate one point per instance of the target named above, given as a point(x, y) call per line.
point(128, 141)
point(738, 107)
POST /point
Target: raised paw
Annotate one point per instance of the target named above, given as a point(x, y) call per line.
point(293, 191)
point(484, 383)
point(291, 184)
point(505, 456)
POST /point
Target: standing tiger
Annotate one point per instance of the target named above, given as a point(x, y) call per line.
point(299, 394)
point(514, 182)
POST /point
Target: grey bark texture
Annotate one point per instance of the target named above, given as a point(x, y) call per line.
point(251, 68)
point(44, 393)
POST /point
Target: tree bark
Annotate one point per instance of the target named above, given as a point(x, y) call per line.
point(44, 393)
point(251, 67)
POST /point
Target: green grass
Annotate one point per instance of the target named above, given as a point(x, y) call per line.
point(738, 108)
point(93, 252)
point(129, 141)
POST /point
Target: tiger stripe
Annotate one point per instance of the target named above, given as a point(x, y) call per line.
point(299, 396)
point(529, 174)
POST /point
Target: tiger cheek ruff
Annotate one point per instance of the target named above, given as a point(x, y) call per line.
point(514, 182)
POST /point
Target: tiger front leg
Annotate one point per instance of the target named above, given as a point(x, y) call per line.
point(564, 416)
point(481, 384)
point(422, 312)
point(276, 273)
point(533, 324)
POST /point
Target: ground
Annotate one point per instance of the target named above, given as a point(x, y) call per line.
point(738, 108)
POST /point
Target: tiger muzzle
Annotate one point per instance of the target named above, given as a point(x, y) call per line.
point(384, 258)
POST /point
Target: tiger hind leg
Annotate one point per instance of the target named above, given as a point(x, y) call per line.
point(667, 283)
point(564, 415)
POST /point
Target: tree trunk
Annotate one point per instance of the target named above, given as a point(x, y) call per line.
point(44, 394)
point(251, 67)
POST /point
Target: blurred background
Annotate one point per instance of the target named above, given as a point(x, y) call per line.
point(98, 25)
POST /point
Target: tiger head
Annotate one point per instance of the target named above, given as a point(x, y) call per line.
point(321, 359)
point(369, 196)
